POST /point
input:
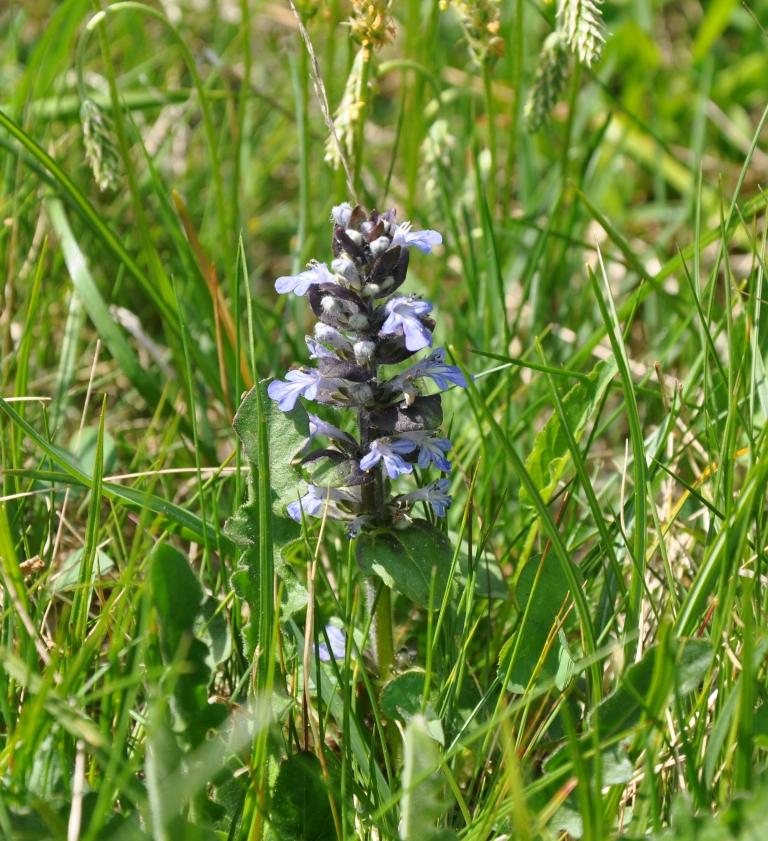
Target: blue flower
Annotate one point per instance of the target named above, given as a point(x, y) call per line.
point(317, 501)
point(432, 450)
point(391, 450)
point(300, 283)
point(423, 240)
point(434, 367)
point(331, 337)
point(405, 314)
point(317, 426)
point(302, 382)
point(435, 493)
point(338, 642)
point(317, 350)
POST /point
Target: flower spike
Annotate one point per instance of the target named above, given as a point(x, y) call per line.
point(364, 324)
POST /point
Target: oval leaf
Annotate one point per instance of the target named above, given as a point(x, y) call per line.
point(404, 560)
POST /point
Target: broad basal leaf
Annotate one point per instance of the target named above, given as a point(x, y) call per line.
point(541, 591)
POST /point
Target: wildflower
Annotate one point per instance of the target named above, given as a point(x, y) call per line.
point(391, 451)
point(300, 383)
point(338, 645)
point(435, 493)
point(432, 450)
point(317, 426)
point(434, 367)
point(299, 284)
point(362, 325)
point(317, 500)
point(423, 240)
point(404, 314)
point(317, 350)
point(331, 337)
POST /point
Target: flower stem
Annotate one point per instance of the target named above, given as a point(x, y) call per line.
point(379, 596)
point(362, 98)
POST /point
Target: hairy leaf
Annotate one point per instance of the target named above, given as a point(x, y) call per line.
point(300, 807)
point(404, 560)
point(422, 802)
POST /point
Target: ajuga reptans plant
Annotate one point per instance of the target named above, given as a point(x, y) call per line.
point(366, 324)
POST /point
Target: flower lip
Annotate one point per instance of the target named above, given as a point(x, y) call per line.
point(299, 284)
point(318, 501)
point(317, 426)
point(435, 494)
point(423, 240)
point(405, 314)
point(435, 368)
point(391, 452)
point(302, 382)
point(432, 450)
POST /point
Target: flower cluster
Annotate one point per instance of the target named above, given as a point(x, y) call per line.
point(365, 324)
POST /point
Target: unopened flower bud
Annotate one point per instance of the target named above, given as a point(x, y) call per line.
point(347, 269)
point(380, 245)
point(330, 305)
point(354, 235)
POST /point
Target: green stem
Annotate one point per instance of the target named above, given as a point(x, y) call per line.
point(300, 83)
point(490, 114)
point(382, 625)
point(362, 98)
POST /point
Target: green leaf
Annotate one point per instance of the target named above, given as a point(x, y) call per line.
point(541, 591)
point(68, 576)
point(404, 560)
point(176, 595)
point(301, 810)
point(243, 528)
point(402, 699)
point(490, 582)
point(693, 662)
point(259, 420)
point(287, 433)
point(422, 803)
point(551, 455)
point(177, 598)
point(645, 686)
point(98, 311)
point(212, 628)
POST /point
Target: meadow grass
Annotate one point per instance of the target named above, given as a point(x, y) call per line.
point(596, 666)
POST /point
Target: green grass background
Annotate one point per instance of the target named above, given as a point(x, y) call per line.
point(597, 667)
